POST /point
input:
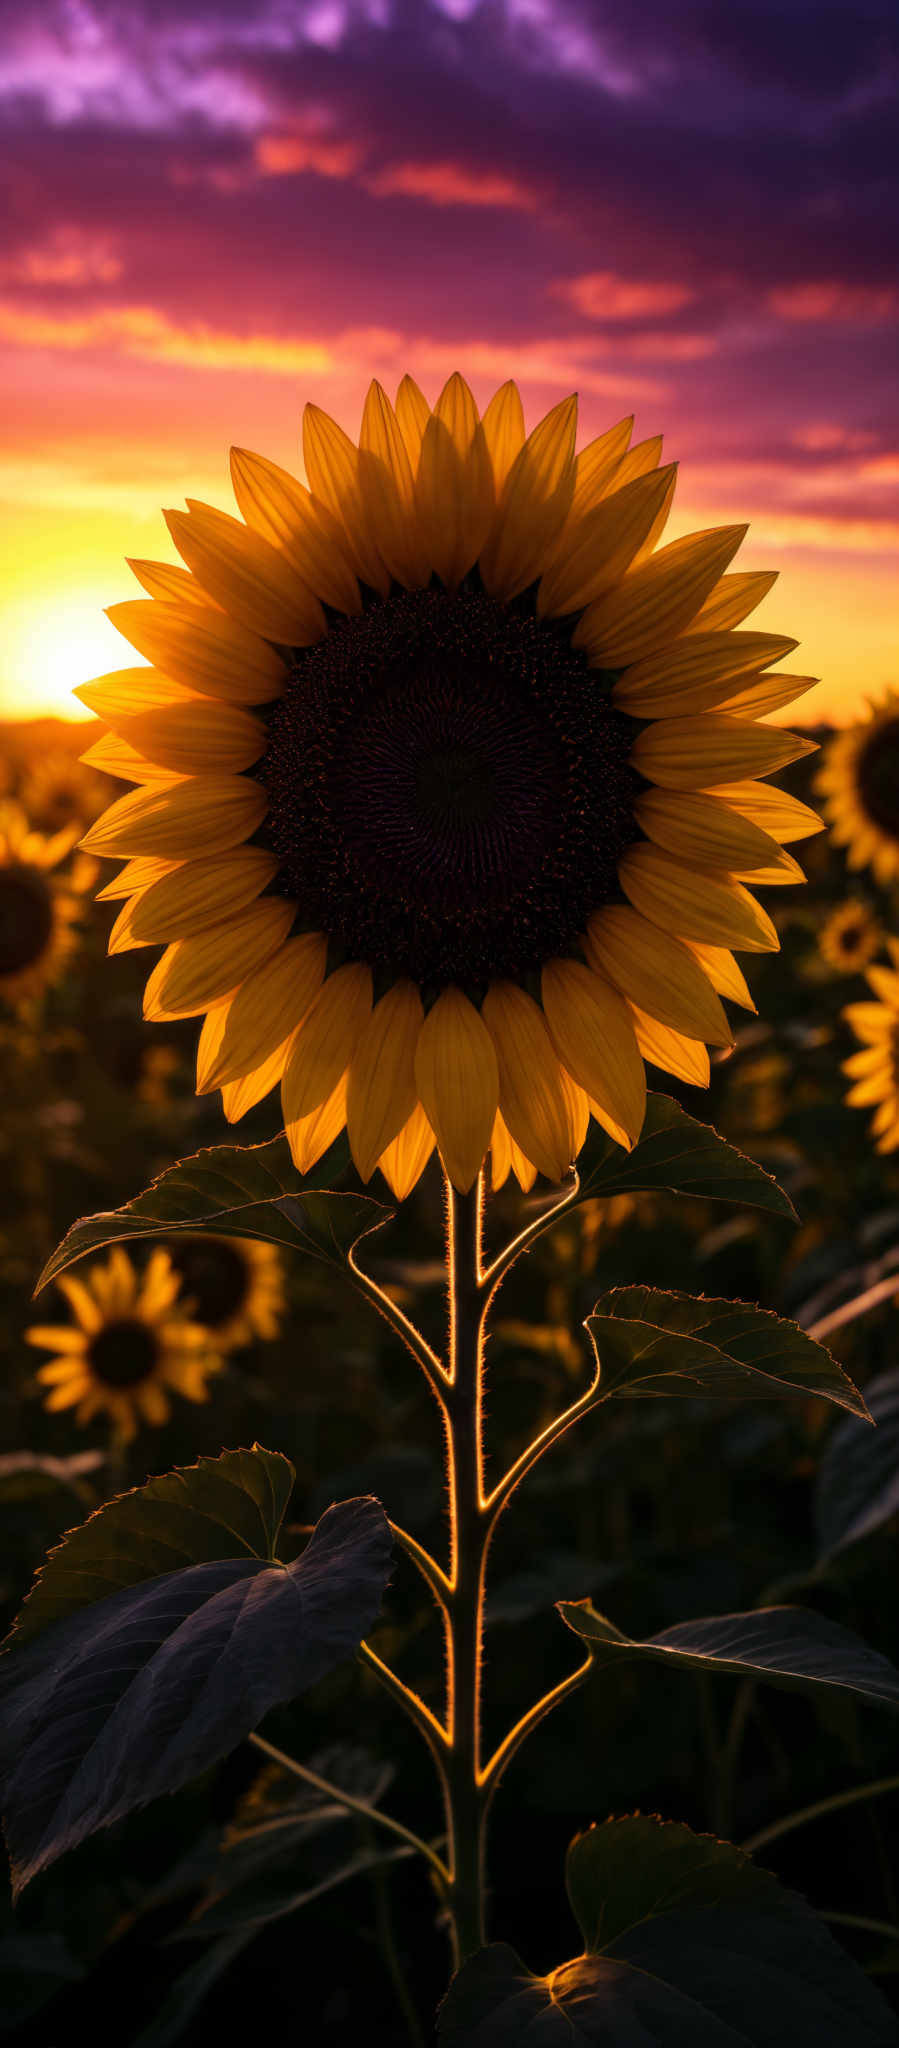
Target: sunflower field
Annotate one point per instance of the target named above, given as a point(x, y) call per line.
point(450, 1456)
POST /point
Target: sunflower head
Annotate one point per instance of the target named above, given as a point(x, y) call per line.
point(38, 909)
point(59, 791)
point(130, 1342)
point(859, 781)
point(449, 785)
point(874, 1071)
point(851, 937)
point(233, 1285)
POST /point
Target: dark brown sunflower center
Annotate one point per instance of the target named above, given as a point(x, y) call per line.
point(214, 1276)
point(877, 776)
point(124, 1352)
point(26, 916)
point(449, 788)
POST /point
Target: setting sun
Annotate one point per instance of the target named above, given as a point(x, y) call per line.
point(56, 638)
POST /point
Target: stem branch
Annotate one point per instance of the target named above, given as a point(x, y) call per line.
point(341, 1798)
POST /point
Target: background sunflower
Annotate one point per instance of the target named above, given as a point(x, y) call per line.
point(132, 1342)
point(434, 910)
point(859, 781)
point(38, 907)
point(875, 1070)
point(233, 1285)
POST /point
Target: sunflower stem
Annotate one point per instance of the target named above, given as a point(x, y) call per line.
point(469, 1536)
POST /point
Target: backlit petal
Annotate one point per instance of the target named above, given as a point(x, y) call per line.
point(732, 600)
point(332, 467)
point(381, 1093)
point(405, 1159)
point(277, 506)
point(327, 1040)
point(696, 753)
point(458, 1083)
point(657, 599)
point(206, 815)
point(197, 972)
point(310, 1136)
point(605, 543)
point(200, 893)
point(388, 492)
point(531, 1096)
point(268, 1007)
point(256, 582)
point(656, 972)
point(594, 1038)
point(535, 499)
point(671, 1050)
point(694, 903)
point(696, 673)
point(206, 650)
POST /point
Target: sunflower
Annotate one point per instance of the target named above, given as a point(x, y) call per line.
point(449, 785)
point(851, 937)
point(235, 1285)
point(875, 1070)
point(37, 908)
point(859, 780)
point(60, 790)
point(131, 1341)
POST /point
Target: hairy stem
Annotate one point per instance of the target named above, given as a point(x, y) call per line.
point(468, 1539)
point(341, 1798)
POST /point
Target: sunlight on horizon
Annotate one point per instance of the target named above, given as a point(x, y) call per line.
point(56, 639)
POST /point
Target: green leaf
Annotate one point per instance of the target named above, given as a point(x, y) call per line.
point(130, 1697)
point(787, 1646)
point(235, 1191)
point(29, 1475)
point(652, 1342)
point(686, 1942)
point(677, 1153)
point(858, 1478)
point(231, 1506)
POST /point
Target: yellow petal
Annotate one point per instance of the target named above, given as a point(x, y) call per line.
point(332, 467)
point(656, 600)
point(598, 468)
point(413, 413)
point(656, 972)
point(277, 506)
point(705, 831)
point(186, 818)
point(605, 543)
point(693, 903)
point(169, 582)
point(197, 972)
point(310, 1136)
point(267, 1009)
point(136, 875)
point(206, 650)
point(594, 1038)
point(58, 1337)
point(209, 1047)
point(81, 1301)
point(381, 1092)
point(579, 1110)
point(404, 1161)
point(723, 972)
point(696, 753)
point(114, 756)
point(764, 694)
point(500, 1153)
point(696, 673)
point(523, 1168)
point(458, 1082)
point(535, 499)
point(199, 738)
point(128, 691)
point(732, 600)
point(531, 1096)
point(671, 1050)
point(255, 582)
point(239, 1096)
point(638, 461)
point(201, 893)
point(388, 492)
point(503, 424)
point(455, 489)
point(783, 816)
point(326, 1041)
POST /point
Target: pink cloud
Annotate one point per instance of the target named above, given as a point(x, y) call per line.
point(453, 184)
point(603, 295)
point(66, 256)
point(279, 156)
point(829, 299)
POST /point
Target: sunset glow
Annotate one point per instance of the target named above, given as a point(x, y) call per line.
point(217, 218)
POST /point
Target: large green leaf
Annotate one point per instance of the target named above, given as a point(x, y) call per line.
point(652, 1342)
point(676, 1152)
point(231, 1506)
point(788, 1646)
point(130, 1697)
point(685, 1941)
point(235, 1191)
point(858, 1478)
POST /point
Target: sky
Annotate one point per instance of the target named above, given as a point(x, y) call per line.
point(218, 210)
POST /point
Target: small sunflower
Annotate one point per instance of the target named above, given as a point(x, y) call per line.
point(449, 785)
point(38, 909)
point(60, 790)
point(235, 1285)
point(851, 937)
point(859, 781)
point(130, 1343)
point(875, 1070)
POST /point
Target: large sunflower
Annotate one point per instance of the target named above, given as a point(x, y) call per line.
point(859, 781)
point(235, 1285)
point(38, 909)
point(131, 1342)
point(875, 1070)
point(449, 785)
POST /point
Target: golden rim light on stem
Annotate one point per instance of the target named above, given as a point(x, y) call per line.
point(450, 798)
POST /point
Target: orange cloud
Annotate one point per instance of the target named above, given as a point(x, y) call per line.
point(279, 156)
point(828, 299)
point(602, 295)
point(142, 331)
point(826, 437)
point(451, 184)
point(66, 257)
